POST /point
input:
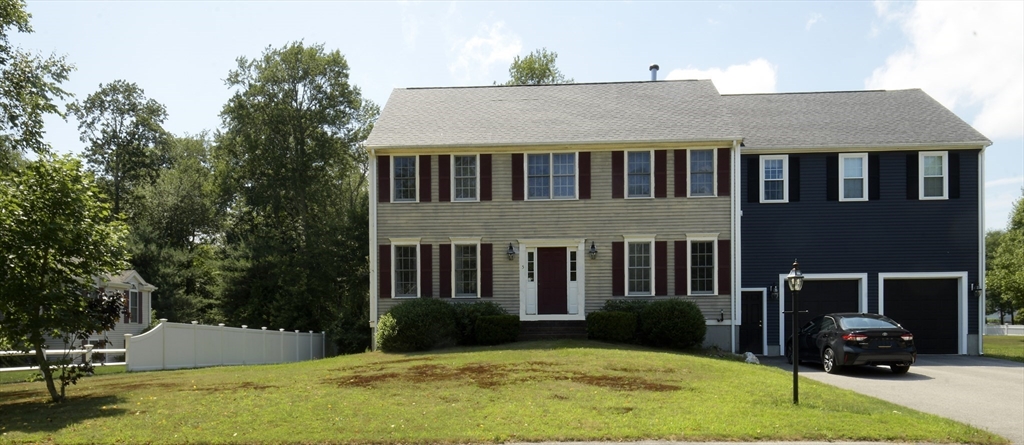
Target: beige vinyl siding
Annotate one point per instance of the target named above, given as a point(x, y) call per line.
point(600, 219)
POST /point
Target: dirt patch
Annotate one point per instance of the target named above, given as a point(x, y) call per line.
point(231, 387)
point(138, 385)
point(381, 365)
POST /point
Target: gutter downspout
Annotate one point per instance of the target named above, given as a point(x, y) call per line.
point(981, 251)
point(373, 248)
point(736, 214)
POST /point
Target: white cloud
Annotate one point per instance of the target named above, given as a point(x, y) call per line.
point(756, 76)
point(999, 200)
point(815, 18)
point(491, 45)
point(962, 54)
point(1017, 181)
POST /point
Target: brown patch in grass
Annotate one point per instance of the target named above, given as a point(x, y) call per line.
point(231, 387)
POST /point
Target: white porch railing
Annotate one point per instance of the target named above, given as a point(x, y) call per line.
point(87, 353)
point(179, 345)
point(1004, 329)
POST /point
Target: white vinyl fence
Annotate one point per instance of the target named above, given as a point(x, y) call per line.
point(1004, 329)
point(179, 345)
point(86, 352)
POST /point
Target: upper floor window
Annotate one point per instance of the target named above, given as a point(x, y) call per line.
point(853, 185)
point(406, 270)
point(934, 176)
point(640, 175)
point(465, 173)
point(774, 171)
point(551, 176)
point(404, 178)
point(702, 173)
point(639, 266)
point(135, 306)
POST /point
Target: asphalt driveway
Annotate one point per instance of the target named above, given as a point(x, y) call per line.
point(984, 392)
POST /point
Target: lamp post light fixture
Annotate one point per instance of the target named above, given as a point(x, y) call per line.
point(795, 279)
point(511, 252)
point(592, 251)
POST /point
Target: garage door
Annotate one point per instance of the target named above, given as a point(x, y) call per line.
point(928, 308)
point(823, 297)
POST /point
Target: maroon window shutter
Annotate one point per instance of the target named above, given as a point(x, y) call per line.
point(617, 173)
point(680, 267)
point(444, 177)
point(424, 178)
point(384, 271)
point(618, 268)
point(127, 300)
point(485, 177)
point(680, 174)
point(426, 271)
point(723, 172)
point(724, 268)
point(660, 174)
point(383, 179)
point(487, 270)
point(661, 268)
point(584, 175)
point(517, 176)
point(445, 252)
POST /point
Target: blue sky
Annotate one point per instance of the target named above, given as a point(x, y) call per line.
point(969, 56)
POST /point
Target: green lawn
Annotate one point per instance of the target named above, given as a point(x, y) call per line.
point(1007, 347)
point(537, 391)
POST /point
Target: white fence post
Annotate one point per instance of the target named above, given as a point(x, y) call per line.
point(264, 329)
point(245, 345)
point(88, 354)
point(311, 355)
point(297, 344)
point(221, 343)
point(127, 352)
point(282, 345)
point(195, 345)
point(163, 345)
point(323, 344)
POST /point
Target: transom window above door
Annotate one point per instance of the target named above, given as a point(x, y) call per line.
point(551, 176)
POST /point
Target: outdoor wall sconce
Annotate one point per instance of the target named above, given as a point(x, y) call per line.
point(976, 290)
point(511, 252)
point(721, 315)
point(773, 291)
point(592, 251)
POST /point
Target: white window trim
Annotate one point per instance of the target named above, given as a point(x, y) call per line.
point(842, 176)
point(702, 237)
point(625, 179)
point(465, 241)
point(785, 179)
point(404, 242)
point(945, 175)
point(638, 239)
point(477, 181)
point(551, 177)
point(416, 180)
point(714, 173)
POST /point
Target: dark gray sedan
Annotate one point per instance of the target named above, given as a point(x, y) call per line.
point(850, 339)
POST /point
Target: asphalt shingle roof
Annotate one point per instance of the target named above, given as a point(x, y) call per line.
point(847, 119)
point(664, 111)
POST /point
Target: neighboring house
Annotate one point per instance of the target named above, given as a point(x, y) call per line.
point(878, 194)
point(502, 193)
point(550, 200)
point(136, 317)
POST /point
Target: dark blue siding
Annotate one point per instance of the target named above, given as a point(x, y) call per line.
point(890, 234)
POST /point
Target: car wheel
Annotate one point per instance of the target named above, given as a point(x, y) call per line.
point(789, 353)
point(828, 361)
point(900, 369)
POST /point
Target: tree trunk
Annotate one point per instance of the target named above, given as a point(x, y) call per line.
point(44, 367)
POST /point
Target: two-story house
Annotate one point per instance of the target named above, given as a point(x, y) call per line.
point(550, 200)
point(136, 316)
point(879, 196)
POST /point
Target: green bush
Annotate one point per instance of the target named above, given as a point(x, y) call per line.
point(497, 329)
point(466, 315)
point(632, 306)
point(615, 326)
point(417, 325)
point(674, 323)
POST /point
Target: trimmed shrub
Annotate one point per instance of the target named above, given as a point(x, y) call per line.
point(466, 315)
point(674, 323)
point(417, 325)
point(497, 329)
point(615, 326)
point(632, 306)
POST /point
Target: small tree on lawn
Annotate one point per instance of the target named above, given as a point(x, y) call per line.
point(56, 237)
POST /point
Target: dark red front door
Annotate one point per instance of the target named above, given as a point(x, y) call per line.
point(552, 287)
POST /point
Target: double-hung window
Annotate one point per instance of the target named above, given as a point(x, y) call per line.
point(465, 177)
point(702, 265)
point(135, 306)
point(551, 176)
point(639, 174)
point(639, 265)
point(853, 185)
point(466, 259)
point(934, 178)
point(404, 169)
point(405, 264)
point(774, 171)
point(702, 173)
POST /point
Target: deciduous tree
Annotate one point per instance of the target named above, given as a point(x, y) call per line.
point(1006, 276)
point(537, 68)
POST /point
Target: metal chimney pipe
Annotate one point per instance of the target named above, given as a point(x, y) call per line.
point(654, 72)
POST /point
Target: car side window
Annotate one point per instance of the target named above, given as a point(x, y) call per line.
point(812, 327)
point(828, 325)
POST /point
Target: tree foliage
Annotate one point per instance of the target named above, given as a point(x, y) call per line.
point(1006, 275)
point(56, 235)
point(29, 85)
point(537, 68)
point(292, 166)
point(124, 133)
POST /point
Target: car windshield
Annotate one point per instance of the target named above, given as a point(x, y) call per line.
point(867, 323)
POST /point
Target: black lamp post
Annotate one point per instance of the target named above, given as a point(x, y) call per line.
point(795, 279)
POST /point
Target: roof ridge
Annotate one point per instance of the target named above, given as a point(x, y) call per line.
point(628, 82)
point(822, 92)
